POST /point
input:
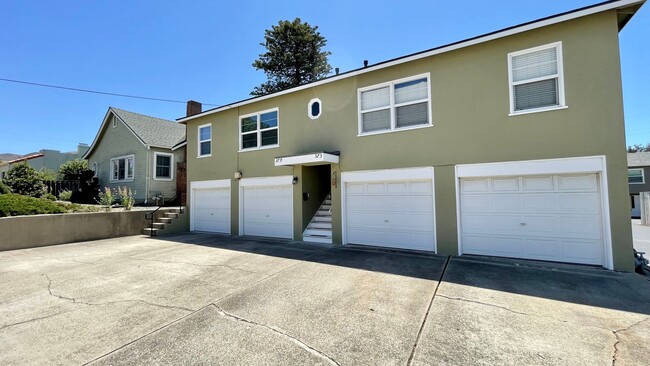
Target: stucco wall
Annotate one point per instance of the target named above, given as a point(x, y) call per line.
point(469, 106)
point(42, 230)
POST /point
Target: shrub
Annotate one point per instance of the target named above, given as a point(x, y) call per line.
point(126, 196)
point(71, 170)
point(4, 189)
point(23, 179)
point(49, 197)
point(106, 198)
point(65, 195)
point(15, 204)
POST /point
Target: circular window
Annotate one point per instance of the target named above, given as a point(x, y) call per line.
point(314, 108)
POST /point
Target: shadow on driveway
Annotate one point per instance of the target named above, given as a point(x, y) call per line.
point(576, 284)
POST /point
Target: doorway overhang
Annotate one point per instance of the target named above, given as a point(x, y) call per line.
point(316, 158)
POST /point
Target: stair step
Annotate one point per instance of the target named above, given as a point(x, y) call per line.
point(327, 233)
point(150, 231)
point(317, 239)
point(171, 215)
point(158, 225)
point(325, 207)
point(164, 220)
point(320, 225)
point(323, 213)
point(322, 219)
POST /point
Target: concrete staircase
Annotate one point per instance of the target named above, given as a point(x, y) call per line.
point(319, 229)
point(166, 221)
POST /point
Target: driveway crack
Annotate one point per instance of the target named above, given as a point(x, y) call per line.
point(618, 339)
point(293, 339)
point(33, 320)
point(193, 264)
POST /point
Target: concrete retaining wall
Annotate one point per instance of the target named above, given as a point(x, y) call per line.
point(22, 232)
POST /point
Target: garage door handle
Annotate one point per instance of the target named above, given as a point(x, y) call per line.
point(267, 215)
point(385, 220)
point(523, 224)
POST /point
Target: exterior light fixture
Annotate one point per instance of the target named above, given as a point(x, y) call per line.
point(238, 175)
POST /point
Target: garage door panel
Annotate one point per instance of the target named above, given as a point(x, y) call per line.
point(268, 211)
point(424, 188)
point(393, 187)
point(211, 209)
point(559, 218)
point(376, 188)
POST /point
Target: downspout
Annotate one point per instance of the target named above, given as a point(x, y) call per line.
point(146, 176)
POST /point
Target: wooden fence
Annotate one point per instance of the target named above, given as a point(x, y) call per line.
point(56, 186)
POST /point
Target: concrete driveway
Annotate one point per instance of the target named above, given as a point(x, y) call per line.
point(205, 299)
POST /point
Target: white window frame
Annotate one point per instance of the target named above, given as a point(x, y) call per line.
point(393, 106)
point(320, 109)
point(155, 166)
point(258, 131)
point(559, 76)
point(642, 176)
point(126, 168)
point(114, 121)
point(198, 138)
point(95, 168)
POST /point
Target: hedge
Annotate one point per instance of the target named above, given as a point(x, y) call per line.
point(15, 205)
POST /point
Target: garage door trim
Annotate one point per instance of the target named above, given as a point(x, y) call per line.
point(204, 184)
point(589, 164)
point(260, 182)
point(418, 173)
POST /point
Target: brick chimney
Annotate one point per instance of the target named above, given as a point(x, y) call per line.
point(193, 107)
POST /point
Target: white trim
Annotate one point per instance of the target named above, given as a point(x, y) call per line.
point(307, 159)
point(420, 173)
point(587, 164)
point(176, 147)
point(155, 166)
point(320, 108)
point(126, 168)
point(208, 184)
point(114, 121)
point(392, 105)
point(259, 130)
point(451, 47)
point(259, 148)
point(95, 168)
point(103, 126)
point(198, 137)
point(282, 180)
point(642, 176)
point(266, 181)
point(559, 76)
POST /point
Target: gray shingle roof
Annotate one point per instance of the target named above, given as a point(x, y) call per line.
point(153, 131)
point(638, 159)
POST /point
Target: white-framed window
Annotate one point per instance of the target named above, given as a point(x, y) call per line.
point(114, 121)
point(205, 140)
point(94, 168)
point(536, 79)
point(163, 164)
point(259, 130)
point(635, 176)
point(314, 108)
point(397, 105)
point(122, 168)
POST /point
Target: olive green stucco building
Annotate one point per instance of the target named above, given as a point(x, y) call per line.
point(508, 144)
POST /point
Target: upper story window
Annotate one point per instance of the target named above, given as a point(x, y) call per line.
point(122, 168)
point(205, 140)
point(635, 176)
point(114, 121)
point(314, 108)
point(399, 104)
point(94, 168)
point(536, 79)
point(163, 164)
point(259, 130)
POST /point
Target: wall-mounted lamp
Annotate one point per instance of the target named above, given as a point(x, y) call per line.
point(238, 175)
point(295, 180)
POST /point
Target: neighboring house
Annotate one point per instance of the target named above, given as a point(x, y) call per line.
point(137, 151)
point(45, 159)
point(509, 144)
point(638, 168)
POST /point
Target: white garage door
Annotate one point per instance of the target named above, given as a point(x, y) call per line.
point(211, 209)
point(550, 217)
point(396, 214)
point(268, 211)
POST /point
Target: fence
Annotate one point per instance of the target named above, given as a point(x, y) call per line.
point(56, 186)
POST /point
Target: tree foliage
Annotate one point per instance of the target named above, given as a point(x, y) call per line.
point(638, 148)
point(293, 56)
point(73, 169)
point(23, 179)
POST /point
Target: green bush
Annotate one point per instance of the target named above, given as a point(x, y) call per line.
point(71, 170)
point(65, 195)
point(106, 199)
point(23, 179)
point(4, 189)
point(15, 204)
point(49, 197)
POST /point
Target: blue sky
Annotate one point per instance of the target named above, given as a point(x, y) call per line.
point(203, 50)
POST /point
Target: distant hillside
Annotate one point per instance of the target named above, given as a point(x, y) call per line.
point(9, 156)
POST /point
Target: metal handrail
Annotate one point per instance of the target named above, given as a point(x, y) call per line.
point(150, 216)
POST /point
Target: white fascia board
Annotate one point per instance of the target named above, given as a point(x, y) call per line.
point(206, 184)
point(388, 175)
point(471, 42)
point(266, 181)
point(588, 164)
point(176, 147)
point(308, 159)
